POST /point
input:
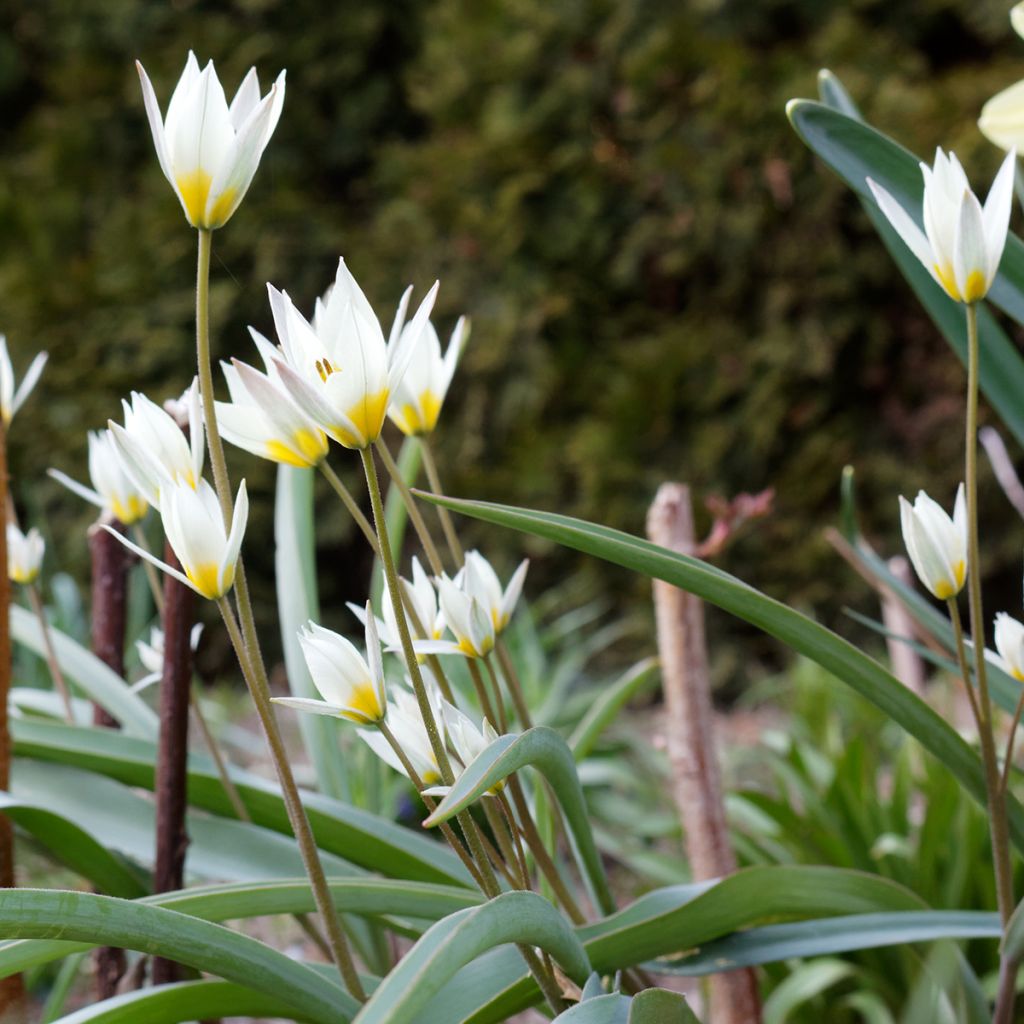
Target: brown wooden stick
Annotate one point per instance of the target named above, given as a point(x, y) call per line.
point(110, 560)
point(172, 752)
point(697, 783)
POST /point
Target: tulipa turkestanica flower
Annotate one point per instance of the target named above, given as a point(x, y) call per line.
point(937, 544)
point(11, 398)
point(351, 685)
point(1009, 636)
point(24, 554)
point(962, 242)
point(416, 404)
point(465, 739)
point(1002, 117)
point(209, 151)
point(421, 600)
point(339, 369)
point(194, 527)
point(263, 418)
point(154, 451)
point(112, 489)
point(151, 654)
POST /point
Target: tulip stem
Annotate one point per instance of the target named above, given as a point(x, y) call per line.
point(1004, 782)
point(350, 503)
point(494, 712)
point(51, 655)
point(442, 513)
point(961, 653)
point(998, 828)
point(429, 547)
point(515, 687)
point(259, 690)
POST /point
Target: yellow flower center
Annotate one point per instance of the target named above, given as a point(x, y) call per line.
point(307, 448)
point(948, 280)
point(204, 577)
point(367, 417)
point(194, 189)
point(411, 420)
point(976, 287)
point(128, 511)
point(364, 705)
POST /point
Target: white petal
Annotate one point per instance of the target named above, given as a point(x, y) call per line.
point(996, 215)
point(970, 260)
point(912, 235)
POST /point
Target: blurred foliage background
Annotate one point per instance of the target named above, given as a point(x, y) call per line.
point(662, 281)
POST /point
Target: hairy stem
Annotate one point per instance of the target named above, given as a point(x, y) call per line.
point(447, 526)
point(351, 504)
point(259, 690)
point(429, 547)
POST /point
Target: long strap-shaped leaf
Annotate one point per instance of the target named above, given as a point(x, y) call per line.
point(834, 935)
point(105, 920)
point(673, 920)
point(541, 748)
point(363, 838)
point(369, 897)
point(74, 847)
point(856, 151)
point(520, 917)
point(185, 1001)
point(95, 678)
point(821, 645)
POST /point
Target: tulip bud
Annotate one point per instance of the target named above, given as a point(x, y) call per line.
point(937, 545)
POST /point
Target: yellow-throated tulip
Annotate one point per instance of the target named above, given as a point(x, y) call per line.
point(1009, 636)
point(339, 368)
point(937, 544)
point(209, 151)
point(194, 527)
point(406, 724)
point(962, 242)
point(11, 398)
point(351, 685)
point(263, 418)
point(112, 489)
point(24, 554)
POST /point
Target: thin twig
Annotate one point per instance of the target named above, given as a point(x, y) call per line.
point(50, 654)
point(434, 478)
point(350, 504)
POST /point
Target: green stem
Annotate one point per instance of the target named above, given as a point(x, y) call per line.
point(496, 716)
point(450, 536)
point(429, 547)
point(350, 503)
point(961, 655)
point(515, 687)
point(51, 655)
point(340, 951)
point(998, 828)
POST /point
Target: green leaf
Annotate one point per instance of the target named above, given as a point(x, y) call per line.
point(520, 917)
point(834, 94)
point(613, 1009)
point(360, 837)
point(834, 935)
point(125, 822)
point(82, 667)
point(295, 573)
point(106, 920)
point(1013, 943)
point(612, 700)
point(368, 897)
point(672, 921)
point(856, 151)
point(543, 749)
point(73, 847)
point(659, 1006)
point(184, 1001)
point(802, 634)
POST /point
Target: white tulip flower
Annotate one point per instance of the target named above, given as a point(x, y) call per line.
point(937, 545)
point(112, 489)
point(194, 527)
point(11, 399)
point(154, 450)
point(416, 404)
point(263, 418)
point(24, 554)
point(962, 242)
point(151, 654)
point(1002, 117)
point(352, 686)
point(339, 369)
point(1010, 645)
point(209, 151)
